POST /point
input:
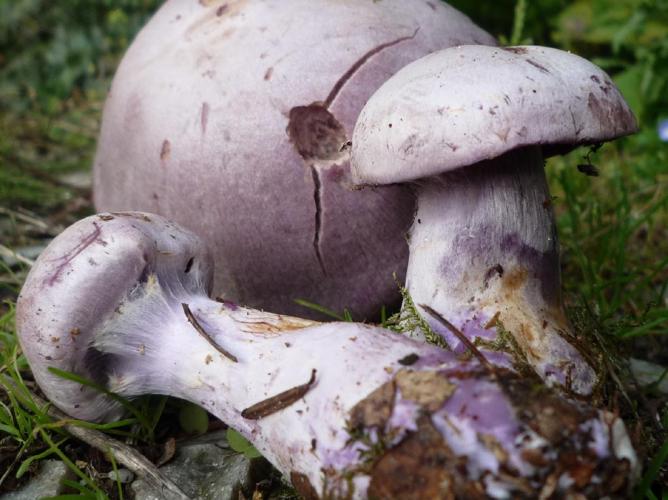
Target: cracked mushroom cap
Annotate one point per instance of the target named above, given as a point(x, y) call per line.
point(229, 118)
point(77, 283)
point(467, 104)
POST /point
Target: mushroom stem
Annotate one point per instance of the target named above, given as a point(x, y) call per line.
point(484, 254)
point(346, 410)
point(279, 381)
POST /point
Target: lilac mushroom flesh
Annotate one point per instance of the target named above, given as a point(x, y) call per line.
point(471, 126)
point(343, 409)
point(231, 115)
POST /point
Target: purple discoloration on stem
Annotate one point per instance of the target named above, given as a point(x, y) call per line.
point(471, 328)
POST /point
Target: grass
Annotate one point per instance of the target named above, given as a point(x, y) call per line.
point(615, 270)
point(614, 264)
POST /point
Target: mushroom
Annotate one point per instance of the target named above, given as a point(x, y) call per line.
point(472, 125)
point(232, 118)
point(343, 409)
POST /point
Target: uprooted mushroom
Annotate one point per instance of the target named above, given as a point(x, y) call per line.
point(231, 118)
point(472, 126)
point(343, 409)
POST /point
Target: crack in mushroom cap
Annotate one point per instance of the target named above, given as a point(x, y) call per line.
point(466, 104)
point(218, 109)
point(79, 281)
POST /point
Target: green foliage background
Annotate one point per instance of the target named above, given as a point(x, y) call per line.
point(50, 50)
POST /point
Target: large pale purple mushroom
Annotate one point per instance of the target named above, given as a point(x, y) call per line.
point(231, 118)
point(472, 126)
point(345, 410)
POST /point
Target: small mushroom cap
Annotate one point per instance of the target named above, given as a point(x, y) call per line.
point(466, 104)
point(79, 281)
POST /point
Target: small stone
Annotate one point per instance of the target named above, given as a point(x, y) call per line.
point(205, 468)
point(47, 482)
point(120, 475)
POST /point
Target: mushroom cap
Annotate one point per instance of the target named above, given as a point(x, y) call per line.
point(463, 105)
point(77, 283)
point(219, 110)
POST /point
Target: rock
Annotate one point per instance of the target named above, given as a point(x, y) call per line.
point(121, 476)
point(46, 483)
point(205, 468)
point(647, 373)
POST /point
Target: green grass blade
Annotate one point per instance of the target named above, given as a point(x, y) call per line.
point(652, 472)
point(321, 309)
point(73, 377)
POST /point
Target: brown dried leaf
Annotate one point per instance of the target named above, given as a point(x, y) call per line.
point(374, 410)
point(168, 451)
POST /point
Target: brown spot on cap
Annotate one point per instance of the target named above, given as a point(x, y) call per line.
point(165, 150)
point(316, 134)
point(204, 116)
point(611, 112)
point(268, 73)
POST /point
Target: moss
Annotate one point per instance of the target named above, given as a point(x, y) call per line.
point(409, 320)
